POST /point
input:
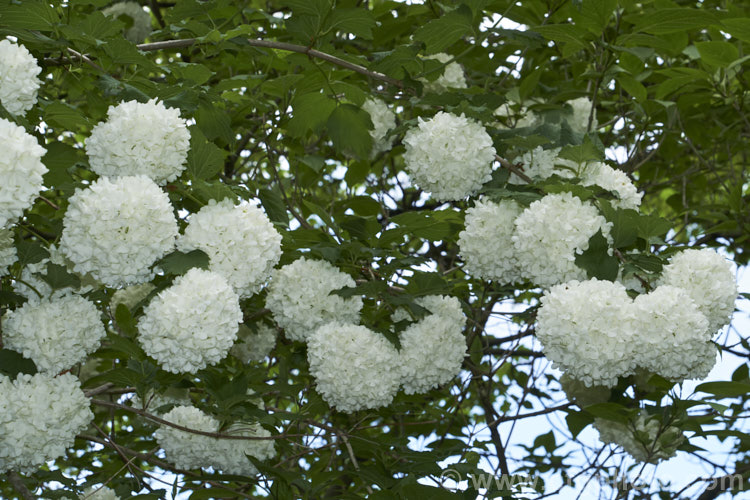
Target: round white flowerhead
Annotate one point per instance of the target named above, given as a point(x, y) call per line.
point(486, 245)
point(579, 118)
point(709, 280)
point(643, 438)
point(8, 254)
point(55, 334)
point(116, 229)
point(41, 416)
point(191, 324)
point(192, 451)
point(240, 241)
point(140, 139)
point(354, 368)
point(300, 298)
point(539, 164)
point(452, 76)
point(551, 232)
point(672, 334)
point(21, 170)
point(587, 329)
point(614, 180)
point(450, 156)
point(141, 21)
point(18, 78)
point(254, 346)
point(383, 120)
point(99, 493)
point(433, 349)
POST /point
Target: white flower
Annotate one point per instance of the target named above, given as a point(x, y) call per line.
point(383, 120)
point(140, 139)
point(450, 156)
point(141, 27)
point(354, 368)
point(40, 416)
point(191, 324)
point(130, 296)
point(486, 245)
point(300, 298)
point(614, 180)
point(708, 279)
point(587, 329)
point(551, 232)
point(18, 79)
point(55, 334)
point(191, 451)
point(433, 349)
point(241, 242)
point(8, 254)
point(254, 346)
point(21, 170)
point(672, 335)
point(538, 164)
point(643, 438)
point(451, 78)
point(523, 118)
point(116, 229)
point(99, 493)
point(579, 118)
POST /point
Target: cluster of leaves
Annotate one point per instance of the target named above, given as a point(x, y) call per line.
point(275, 89)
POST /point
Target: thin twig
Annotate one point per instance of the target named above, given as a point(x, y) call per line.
point(17, 482)
point(513, 168)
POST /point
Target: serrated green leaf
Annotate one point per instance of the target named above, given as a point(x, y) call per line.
point(178, 263)
point(214, 122)
point(652, 226)
point(357, 21)
point(582, 153)
point(274, 205)
point(30, 252)
point(58, 277)
point(310, 112)
point(441, 33)
point(205, 159)
point(349, 128)
point(596, 261)
point(569, 34)
point(624, 230)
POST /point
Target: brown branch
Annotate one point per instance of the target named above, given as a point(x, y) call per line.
point(513, 168)
point(84, 58)
point(553, 409)
point(17, 482)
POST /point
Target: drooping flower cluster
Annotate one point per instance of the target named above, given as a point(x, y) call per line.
point(55, 334)
point(354, 367)
point(486, 244)
point(300, 298)
point(254, 346)
point(40, 416)
point(240, 240)
point(549, 235)
point(8, 253)
point(140, 139)
point(19, 83)
point(433, 349)
point(192, 451)
point(141, 27)
point(191, 324)
point(116, 229)
point(450, 156)
point(643, 438)
point(383, 120)
point(21, 170)
point(452, 76)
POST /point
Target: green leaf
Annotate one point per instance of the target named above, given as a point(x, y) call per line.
point(563, 33)
point(310, 112)
point(577, 421)
point(674, 20)
point(13, 363)
point(609, 411)
point(422, 284)
point(349, 129)
point(632, 86)
point(652, 226)
point(58, 277)
point(274, 205)
point(214, 122)
point(738, 27)
point(583, 153)
point(196, 73)
point(205, 159)
point(30, 252)
point(624, 230)
point(178, 263)
point(31, 15)
point(596, 261)
point(720, 54)
point(725, 389)
point(441, 33)
point(357, 21)
point(65, 116)
point(594, 15)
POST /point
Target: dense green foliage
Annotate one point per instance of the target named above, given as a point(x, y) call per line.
point(283, 124)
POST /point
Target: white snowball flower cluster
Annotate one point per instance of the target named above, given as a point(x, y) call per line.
point(579, 119)
point(18, 78)
point(643, 438)
point(450, 156)
point(240, 241)
point(141, 27)
point(191, 324)
point(8, 254)
point(254, 346)
point(354, 367)
point(300, 298)
point(192, 451)
point(551, 232)
point(40, 416)
point(21, 170)
point(99, 493)
point(708, 279)
point(116, 229)
point(586, 329)
point(539, 164)
point(383, 120)
point(140, 139)
point(433, 349)
point(614, 180)
point(130, 296)
point(452, 77)
point(55, 334)
point(486, 245)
